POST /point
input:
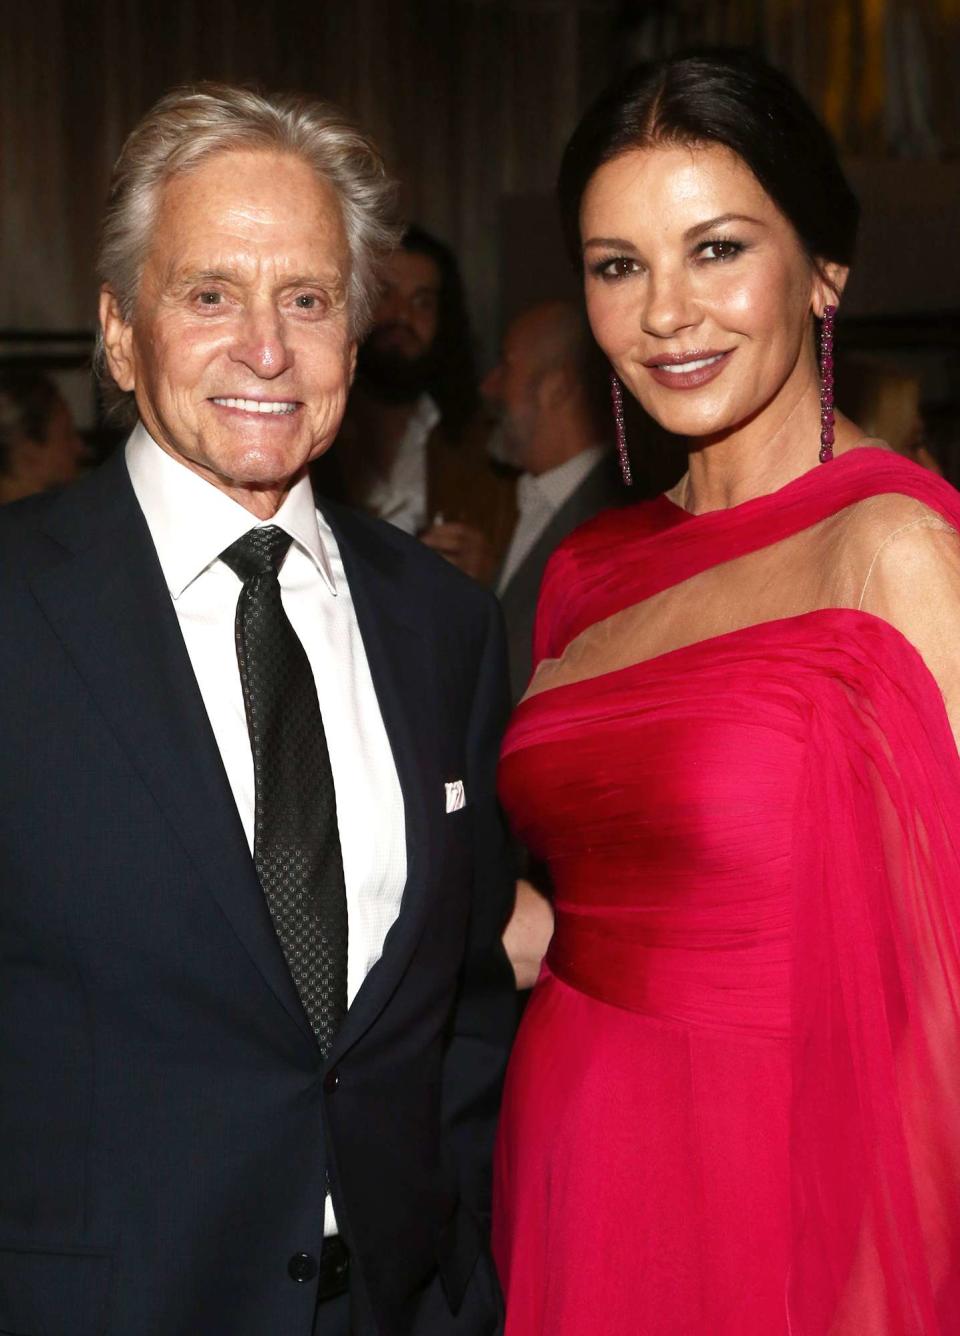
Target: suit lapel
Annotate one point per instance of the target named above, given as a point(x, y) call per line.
point(108, 603)
point(598, 490)
point(403, 672)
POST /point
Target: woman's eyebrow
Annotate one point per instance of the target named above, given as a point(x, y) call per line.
point(611, 243)
point(699, 228)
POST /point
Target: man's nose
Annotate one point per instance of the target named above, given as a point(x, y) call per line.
point(261, 342)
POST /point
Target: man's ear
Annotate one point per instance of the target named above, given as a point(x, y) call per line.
point(554, 388)
point(117, 341)
point(829, 281)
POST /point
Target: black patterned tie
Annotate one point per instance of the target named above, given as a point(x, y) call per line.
point(296, 845)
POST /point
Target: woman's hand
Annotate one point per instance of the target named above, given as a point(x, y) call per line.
point(527, 934)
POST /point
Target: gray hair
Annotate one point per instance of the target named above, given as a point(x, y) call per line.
point(193, 123)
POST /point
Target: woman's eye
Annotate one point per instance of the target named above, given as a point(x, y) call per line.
point(619, 267)
point(719, 250)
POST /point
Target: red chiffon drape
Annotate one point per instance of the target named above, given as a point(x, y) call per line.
point(734, 1105)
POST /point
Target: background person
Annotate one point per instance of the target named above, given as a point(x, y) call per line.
point(40, 446)
point(887, 402)
point(411, 449)
point(551, 393)
point(732, 1106)
point(553, 400)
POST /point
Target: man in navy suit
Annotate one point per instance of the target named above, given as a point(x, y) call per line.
point(254, 1012)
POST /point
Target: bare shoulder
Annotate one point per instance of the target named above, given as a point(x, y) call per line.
point(903, 554)
point(891, 535)
point(908, 558)
point(877, 520)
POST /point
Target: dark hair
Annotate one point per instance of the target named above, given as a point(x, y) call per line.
point(729, 97)
point(28, 400)
point(593, 373)
point(454, 383)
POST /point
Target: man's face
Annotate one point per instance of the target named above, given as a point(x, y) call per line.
point(398, 358)
point(511, 388)
point(405, 322)
point(239, 350)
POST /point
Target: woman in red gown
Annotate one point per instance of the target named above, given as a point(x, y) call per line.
point(733, 1108)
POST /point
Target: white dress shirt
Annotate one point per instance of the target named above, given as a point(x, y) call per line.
point(191, 522)
point(538, 500)
point(401, 495)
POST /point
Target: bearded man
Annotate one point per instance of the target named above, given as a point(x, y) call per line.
point(413, 445)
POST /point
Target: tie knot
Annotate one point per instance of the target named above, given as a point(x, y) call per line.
point(259, 552)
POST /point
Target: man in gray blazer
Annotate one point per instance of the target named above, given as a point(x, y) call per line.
point(555, 426)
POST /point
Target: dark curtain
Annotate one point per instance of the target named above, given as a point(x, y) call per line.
point(470, 99)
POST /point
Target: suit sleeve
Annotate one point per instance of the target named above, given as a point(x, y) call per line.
point(485, 1016)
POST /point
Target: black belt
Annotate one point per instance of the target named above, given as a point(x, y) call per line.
point(334, 1275)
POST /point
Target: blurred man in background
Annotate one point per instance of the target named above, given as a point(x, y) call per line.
point(40, 446)
point(551, 392)
point(552, 395)
point(411, 449)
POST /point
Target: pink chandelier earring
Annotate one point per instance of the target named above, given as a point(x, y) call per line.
point(616, 396)
point(826, 384)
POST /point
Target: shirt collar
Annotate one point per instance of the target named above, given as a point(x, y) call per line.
point(557, 485)
point(425, 415)
point(191, 522)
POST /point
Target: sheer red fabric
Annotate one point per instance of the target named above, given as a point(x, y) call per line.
point(733, 1108)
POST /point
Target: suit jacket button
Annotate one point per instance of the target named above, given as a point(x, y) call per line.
point(302, 1267)
point(331, 1081)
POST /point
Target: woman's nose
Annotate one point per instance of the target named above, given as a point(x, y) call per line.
point(669, 306)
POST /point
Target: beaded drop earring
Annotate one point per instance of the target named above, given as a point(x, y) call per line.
point(616, 396)
point(826, 384)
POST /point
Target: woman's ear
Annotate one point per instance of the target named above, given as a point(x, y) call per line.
point(829, 281)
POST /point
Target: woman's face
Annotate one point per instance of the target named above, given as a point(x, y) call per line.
point(697, 287)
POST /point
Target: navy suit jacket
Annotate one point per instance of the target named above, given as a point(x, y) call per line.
point(167, 1125)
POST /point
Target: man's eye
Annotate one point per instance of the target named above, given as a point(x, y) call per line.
point(307, 301)
point(209, 298)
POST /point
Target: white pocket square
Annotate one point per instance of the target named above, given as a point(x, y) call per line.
point(456, 798)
